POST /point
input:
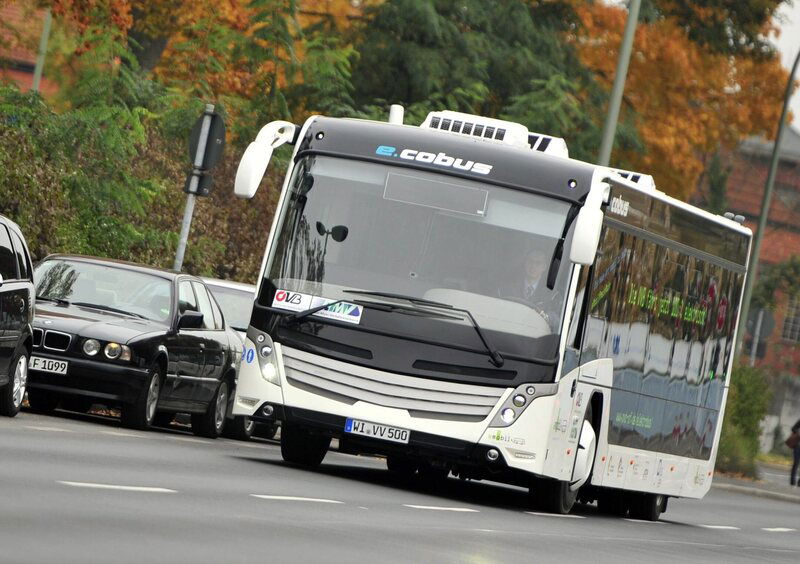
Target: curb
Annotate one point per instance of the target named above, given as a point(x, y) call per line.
point(756, 492)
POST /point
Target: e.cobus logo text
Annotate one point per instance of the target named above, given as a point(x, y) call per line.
point(439, 159)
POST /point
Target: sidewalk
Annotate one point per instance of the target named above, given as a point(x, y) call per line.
point(773, 483)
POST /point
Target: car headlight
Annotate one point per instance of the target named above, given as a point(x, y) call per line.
point(91, 347)
point(114, 351)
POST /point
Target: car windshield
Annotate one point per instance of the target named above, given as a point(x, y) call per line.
point(106, 286)
point(353, 225)
point(236, 304)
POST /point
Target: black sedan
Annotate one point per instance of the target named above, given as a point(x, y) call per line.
point(149, 341)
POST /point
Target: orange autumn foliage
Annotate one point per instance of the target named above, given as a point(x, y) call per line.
point(688, 102)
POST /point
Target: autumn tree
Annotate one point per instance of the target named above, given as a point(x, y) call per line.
point(688, 100)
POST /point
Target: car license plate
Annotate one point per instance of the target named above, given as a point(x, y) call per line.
point(48, 365)
point(376, 431)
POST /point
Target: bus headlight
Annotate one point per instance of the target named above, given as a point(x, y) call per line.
point(507, 415)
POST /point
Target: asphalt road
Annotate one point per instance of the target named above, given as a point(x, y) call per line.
point(81, 489)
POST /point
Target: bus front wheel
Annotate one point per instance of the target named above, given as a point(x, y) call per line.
point(302, 447)
point(553, 496)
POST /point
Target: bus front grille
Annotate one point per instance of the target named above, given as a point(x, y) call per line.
point(419, 396)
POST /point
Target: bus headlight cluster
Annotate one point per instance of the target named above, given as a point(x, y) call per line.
point(519, 400)
point(266, 359)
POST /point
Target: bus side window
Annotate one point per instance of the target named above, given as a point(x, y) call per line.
point(579, 309)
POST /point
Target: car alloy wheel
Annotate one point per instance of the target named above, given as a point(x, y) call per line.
point(20, 381)
point(221, 407)
point(152, 399)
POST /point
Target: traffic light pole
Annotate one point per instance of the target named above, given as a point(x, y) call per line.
point(762, 219)
point(194, 181)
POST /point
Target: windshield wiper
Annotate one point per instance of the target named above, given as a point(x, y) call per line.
point(109, 308)
point(494, 354)
point(59, 301)
point(558, 252)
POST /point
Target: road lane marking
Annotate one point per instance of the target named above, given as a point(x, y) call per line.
point(50, 429)
point(295, 498)
point(645, 521)
point(568, 515)
point(437, 508)
point(778, 529)
point(116, 487)
point(720, 527)
point(123, 434)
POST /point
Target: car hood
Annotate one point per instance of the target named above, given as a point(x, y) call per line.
point(93, 324)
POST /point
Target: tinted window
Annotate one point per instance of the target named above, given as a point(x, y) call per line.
point(8, 262)
point(205, 306)
point(22, 256)
point(186, 299)
point(667, 320)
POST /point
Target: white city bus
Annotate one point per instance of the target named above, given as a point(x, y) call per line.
point(462, 297)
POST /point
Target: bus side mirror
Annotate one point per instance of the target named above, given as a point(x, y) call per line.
point(586, 236)
point(256, 158)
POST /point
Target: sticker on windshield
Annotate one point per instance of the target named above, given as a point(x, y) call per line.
point(341, 311)
point(294, 301)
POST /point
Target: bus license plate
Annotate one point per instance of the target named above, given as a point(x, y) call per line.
point(377, 431)
point(48, 365)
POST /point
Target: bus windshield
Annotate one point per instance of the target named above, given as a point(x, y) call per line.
point(351, 225)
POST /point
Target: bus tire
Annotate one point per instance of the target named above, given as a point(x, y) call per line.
point(613, 502)
point(647, 507)
point(401, 466)
point(240, 428)
point(301, 447)
point(553, 496)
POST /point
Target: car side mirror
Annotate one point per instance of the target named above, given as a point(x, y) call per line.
point(190, 320)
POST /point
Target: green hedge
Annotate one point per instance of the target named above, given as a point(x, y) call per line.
point(748, 399)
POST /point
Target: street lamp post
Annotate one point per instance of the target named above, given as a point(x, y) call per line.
point(610, 126)
point(762, 219)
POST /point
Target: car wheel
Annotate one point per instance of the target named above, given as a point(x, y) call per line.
point(142, 413)
point(211, 423)
point(43, 402)
point(240, 428)
point(12, 393)
point(299, 446)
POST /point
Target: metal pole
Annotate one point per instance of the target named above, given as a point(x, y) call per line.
point(610, 127)
point(756, 337)
point(765, 204)
point(37, 71)
point(188, 211)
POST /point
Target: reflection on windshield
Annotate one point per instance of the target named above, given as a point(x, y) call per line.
point(122, 289)
point(471, 245)
point(236, 305)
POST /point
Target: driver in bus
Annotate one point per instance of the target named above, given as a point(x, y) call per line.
point(531, 286)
